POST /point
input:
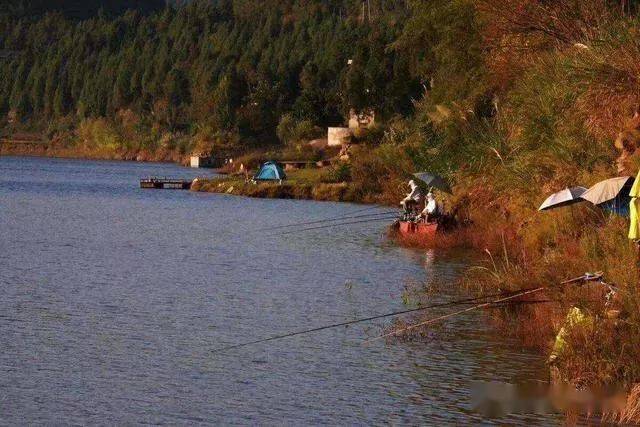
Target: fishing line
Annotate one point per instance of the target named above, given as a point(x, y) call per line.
point(522, 292)
point(366, 319)
point(334, 219)
point(455, 313)
point(365, 209)
point(319, 221)
point(335, 225)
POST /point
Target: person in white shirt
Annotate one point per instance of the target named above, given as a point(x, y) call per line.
point(413, 198)
point(430, 211)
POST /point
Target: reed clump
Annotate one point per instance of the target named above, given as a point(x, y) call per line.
point(631, 413)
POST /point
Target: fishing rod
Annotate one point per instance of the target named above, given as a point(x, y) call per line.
point(589, 277)
point(364, 209)
point(335, 225)
point(361, 320)
point(338, 218)
point(446, 316)
point(505, 296)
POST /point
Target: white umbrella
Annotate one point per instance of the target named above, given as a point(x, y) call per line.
point(566, 197)
point(606, 190)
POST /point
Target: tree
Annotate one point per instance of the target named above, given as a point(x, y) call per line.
point(177, 94)
point(122, 88)
point(61, 100)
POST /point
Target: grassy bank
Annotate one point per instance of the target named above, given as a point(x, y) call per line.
point(549, 101)
point(299, 186)
point(369, 177)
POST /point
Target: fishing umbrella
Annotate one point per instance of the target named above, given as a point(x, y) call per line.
point(434, 181)
point(609, 194)
point(566, 197)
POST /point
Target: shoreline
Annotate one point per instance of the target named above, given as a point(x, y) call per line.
point(338, 192)
point(225, 184)
point(85, 154)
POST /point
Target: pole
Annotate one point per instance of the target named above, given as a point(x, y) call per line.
point(505, 296)
point(352, 322)
point(446, 316)
point(589, 277)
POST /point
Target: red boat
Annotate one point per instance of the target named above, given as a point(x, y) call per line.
point(418, 229)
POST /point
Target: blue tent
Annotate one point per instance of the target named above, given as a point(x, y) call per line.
point(270, 171)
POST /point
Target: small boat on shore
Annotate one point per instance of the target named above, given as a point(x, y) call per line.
point(418, 229)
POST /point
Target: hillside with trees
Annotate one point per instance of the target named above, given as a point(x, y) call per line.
point(224, 71)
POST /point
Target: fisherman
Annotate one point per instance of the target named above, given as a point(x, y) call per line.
point(431, 211)
point(413, 198)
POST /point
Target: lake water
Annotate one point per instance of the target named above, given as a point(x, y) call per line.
point(113, 300)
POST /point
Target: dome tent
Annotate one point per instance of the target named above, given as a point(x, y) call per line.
point(270, 171)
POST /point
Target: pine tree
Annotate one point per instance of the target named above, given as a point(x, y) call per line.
point(231, 64)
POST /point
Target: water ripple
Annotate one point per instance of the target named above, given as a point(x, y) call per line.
point(113, 299)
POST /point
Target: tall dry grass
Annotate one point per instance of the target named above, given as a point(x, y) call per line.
point(631, 413)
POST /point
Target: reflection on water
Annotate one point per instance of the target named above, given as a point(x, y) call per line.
point(113, 299)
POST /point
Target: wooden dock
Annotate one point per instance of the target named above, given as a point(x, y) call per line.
point(165, 183)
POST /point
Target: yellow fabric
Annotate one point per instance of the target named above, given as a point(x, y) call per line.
point(574, 318)
point(634, 210)
point(635, 190)
point(634, 227)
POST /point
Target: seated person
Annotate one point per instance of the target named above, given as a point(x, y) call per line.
point(413, 198)
point(431, 211)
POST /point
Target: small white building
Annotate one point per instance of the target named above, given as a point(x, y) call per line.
point(200, 161)
point(338, 136)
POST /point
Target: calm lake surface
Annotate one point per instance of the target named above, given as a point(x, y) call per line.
point(114, 298)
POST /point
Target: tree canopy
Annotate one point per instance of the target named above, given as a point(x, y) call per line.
point(227, 65)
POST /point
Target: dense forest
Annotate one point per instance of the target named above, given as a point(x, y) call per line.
point(77, 9)
point(227, 69)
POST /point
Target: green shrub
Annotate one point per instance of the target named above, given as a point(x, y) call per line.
point(291, 131)
point(99, 134)
point(337, 173)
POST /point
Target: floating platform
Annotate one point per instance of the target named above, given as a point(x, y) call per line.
point(165, 183)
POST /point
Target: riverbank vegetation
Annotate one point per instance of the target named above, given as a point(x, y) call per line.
point(538, 106)
point(510, 100)
point(310, 184)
